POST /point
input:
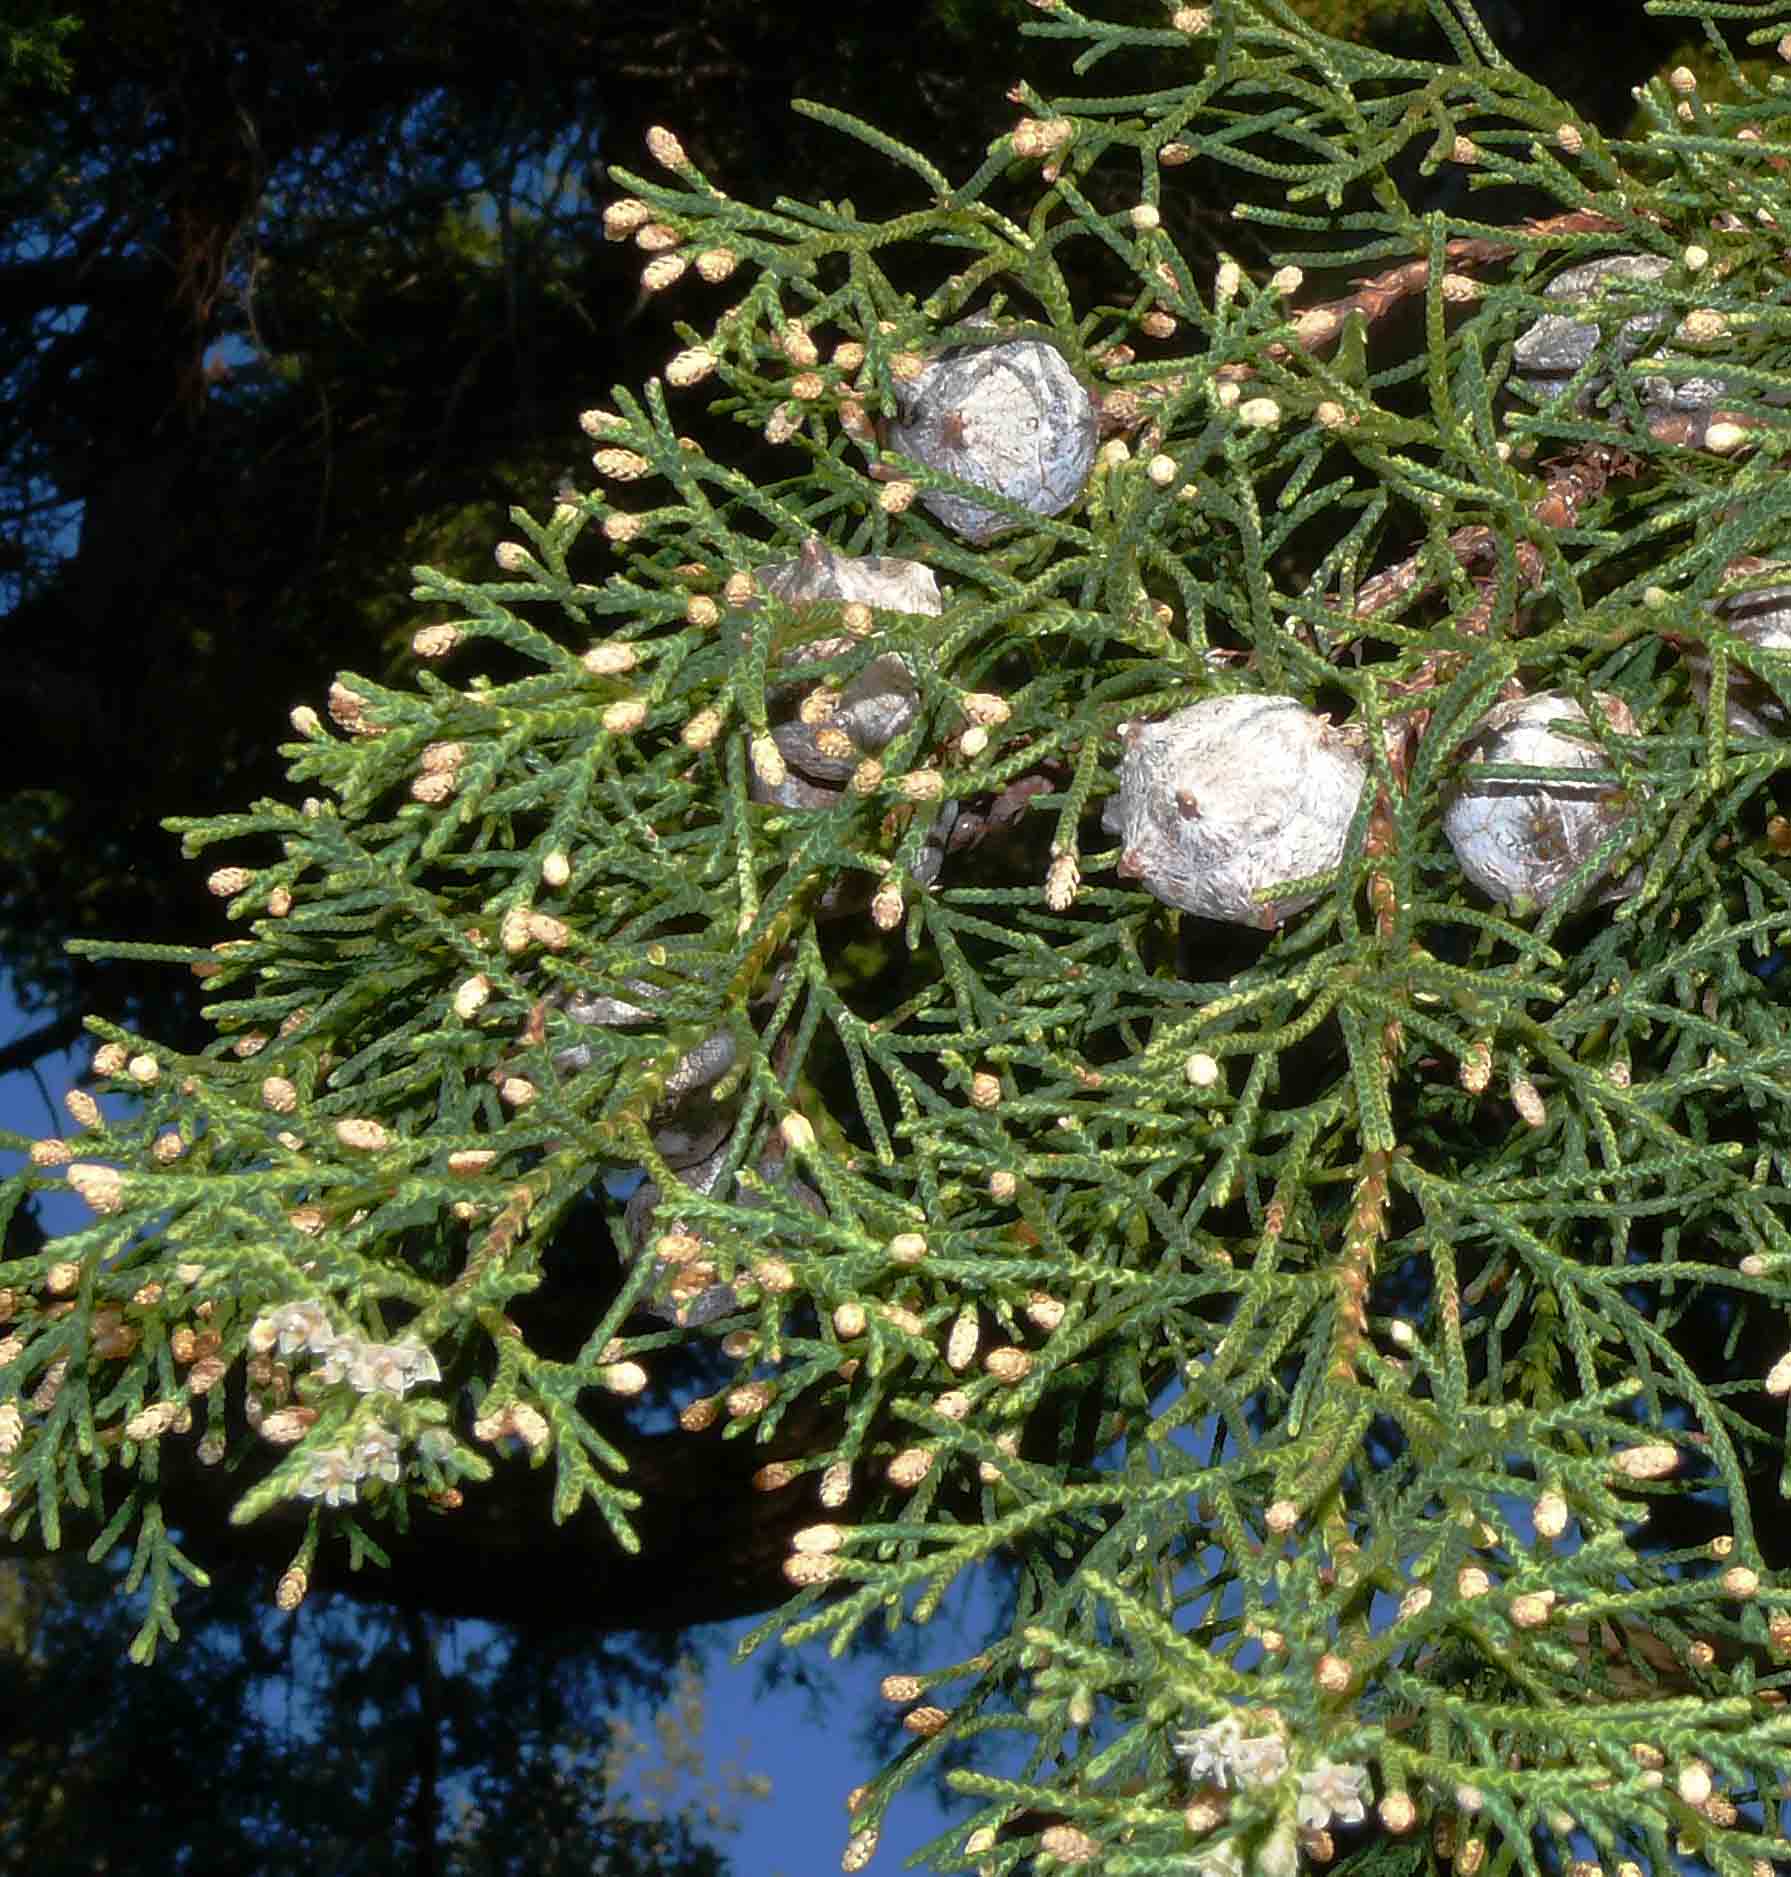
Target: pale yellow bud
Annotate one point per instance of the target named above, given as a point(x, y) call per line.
point(953, 1405)
point(900, 1689)
point(1569, 138)
point(1193, 21)
point(1722, 437)
point(861, 1847)
point(848, 355)
point(895, 497)
point(1282, 1516)
point(1259, 413)
point(1526, 1098)
point(279, 902)
point(1683, 79)
point(716, 264)
point(109, 1059)
point(622, 1378)
point(907, 1248)
point(1741, 1582)
point(51, 1152)
point(960, 1346)
point(61, 1278)
point(849, 1321)
point(306, 721)
point(1062, 879)
point(467, 1161)
point(1161, 470)
point(206, 1374)
point(985, 1089)
point(279, 1094)
point(748, 1399)
point(922, 785)
point(1145, 216)
point(1003, 1185)
point(664, 272)
point(1068, 1844)
point(1044, 1311)
point(1471, 1581)
point(926, 1721)
point(1226, 283)
point(1778, 1377)
point(1201, 1070)
point(1333, 1674)
point(516, 1091)
point(1464, 150)
point(552, 934)
point(625, 717)
point(228, 881)
point(1551, 1515)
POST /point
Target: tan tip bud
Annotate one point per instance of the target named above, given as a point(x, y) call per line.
point(1741, 1582)
point(748, 1399)
point(622, 1378)
point(1471, 1581)
point(1532, 1609)
point(1655, 1460)
point(625, 717)
point(849, 1321)
point(1259, 413)
point(1008, 1364)
point(887, 905)
point(228, 881)
point(836, 1484)
point(702, 729)
point(922, 785)
point(621, 218)
point(907, 1248)
point(896, 497)
point(662, 273)
point(618, 466)
point(516, 1091)
point(1003, 1185)
point(1551, 1515)
point(435, 641)
point(716, 264)
point(803, 1569)
point(665, 149)
point(363, 1135)
point(1282, 1516)
point(861, 1847)
point(1333, 1674)
point(551, 934)
point(926, 1721)
point(51, 1152)
point(102, 1188)
point(1068, 1844)
point(1568, 137)
point(768, 762)
point(985, 1089)
point(774, 1276)
point(279, 1094)
point(910, 1467)
point(110, 1059)
point(960, 1345)
point(901, 1689)
point(610, 659)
